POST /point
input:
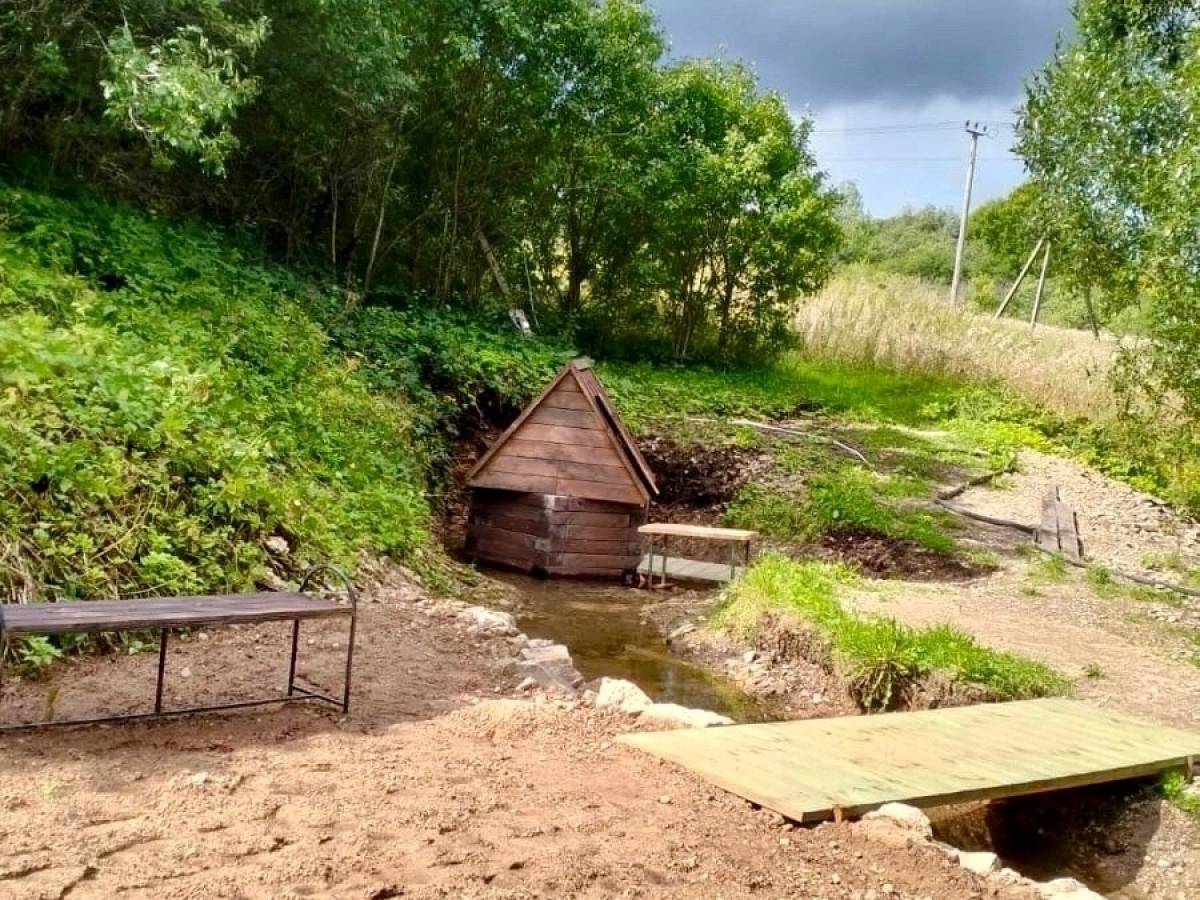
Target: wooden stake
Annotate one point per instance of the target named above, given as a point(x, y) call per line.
point(1020, 278)
point(1037, 299)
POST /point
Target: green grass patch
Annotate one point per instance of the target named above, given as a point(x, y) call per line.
point(846, 499)
point(1174, 789)
point(652, 395)
point(770, 512)
point(1049, 569)
point(880, 657)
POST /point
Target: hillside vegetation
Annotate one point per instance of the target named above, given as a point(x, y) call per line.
point(167, 404)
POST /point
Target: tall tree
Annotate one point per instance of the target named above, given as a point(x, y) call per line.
point(1111, 133)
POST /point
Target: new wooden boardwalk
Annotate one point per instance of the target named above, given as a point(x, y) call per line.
point(806, 770)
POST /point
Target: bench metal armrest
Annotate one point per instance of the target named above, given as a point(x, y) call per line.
point(335, 571)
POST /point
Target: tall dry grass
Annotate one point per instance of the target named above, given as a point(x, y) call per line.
point(908, 325)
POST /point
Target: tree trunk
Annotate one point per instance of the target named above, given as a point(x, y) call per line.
point(726, 315)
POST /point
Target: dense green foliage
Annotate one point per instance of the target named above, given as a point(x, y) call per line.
point(167, 405)
point(881, 658)
point(537, 154)
point(1110, 133)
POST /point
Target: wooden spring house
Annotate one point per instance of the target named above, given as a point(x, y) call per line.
point(564, 489)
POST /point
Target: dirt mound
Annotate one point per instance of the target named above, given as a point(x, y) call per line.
point(505, 720)
point(697, 475)
point(884, 557)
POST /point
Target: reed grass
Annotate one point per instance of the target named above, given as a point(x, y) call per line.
point(907, 325)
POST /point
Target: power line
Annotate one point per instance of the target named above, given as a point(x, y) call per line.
point(915, 159)
point(907, 127)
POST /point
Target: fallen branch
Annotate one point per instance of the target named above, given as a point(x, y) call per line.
point(985, 478)
point(1144, 580)
point(990, 520)
point(794, 432)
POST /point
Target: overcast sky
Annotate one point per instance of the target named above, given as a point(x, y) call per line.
point(867, 70)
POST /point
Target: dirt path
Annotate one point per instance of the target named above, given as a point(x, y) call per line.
point(1120, 526)
point(1140, 652)
point(429, 789)
point(1136, 653)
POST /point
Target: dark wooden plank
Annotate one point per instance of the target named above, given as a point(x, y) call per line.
point(531, 484)
point(622, 548)
point(605, 456)
point(511, 509)
point(491, 534)
point(560, 504)
point(520, 465)
point(568, 418)
point(536, 527)
point(596, 491)
point(169, 612)
point(561, 399)
point(557, 434)
point(598, 533)
point(500, 548)
point(1068, 533)
point(605, 520)
point(1047, 533)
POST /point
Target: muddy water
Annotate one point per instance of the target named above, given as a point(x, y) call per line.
point(610, 634)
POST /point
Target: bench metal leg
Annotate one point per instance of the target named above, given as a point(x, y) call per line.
point(162, 671)
point(350, 654)
point(291, 684)
point(353, 595)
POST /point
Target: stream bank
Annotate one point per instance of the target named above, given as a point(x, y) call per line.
point(618, 632)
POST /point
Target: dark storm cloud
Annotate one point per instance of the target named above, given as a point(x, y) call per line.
point(828, 52)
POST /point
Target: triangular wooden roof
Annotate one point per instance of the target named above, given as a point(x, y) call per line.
point(569, 441)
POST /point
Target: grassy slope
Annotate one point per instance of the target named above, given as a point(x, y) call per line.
point(167, 404)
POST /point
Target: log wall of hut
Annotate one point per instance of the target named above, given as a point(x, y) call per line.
point(554, 535)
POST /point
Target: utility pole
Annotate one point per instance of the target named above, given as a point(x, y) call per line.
point(976, 131)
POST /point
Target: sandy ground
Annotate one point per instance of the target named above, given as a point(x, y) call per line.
point(1138, 655)
point(432, 787)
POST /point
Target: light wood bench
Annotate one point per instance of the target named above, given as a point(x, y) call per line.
point(660, 534)
point(164, 613)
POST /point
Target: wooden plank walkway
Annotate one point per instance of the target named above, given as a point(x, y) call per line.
point(808, 769)
point(690, 569)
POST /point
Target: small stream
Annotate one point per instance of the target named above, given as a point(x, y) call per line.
point(609, 633)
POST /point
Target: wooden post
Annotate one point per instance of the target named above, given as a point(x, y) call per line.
point(1037, 299)
point(1020, 278)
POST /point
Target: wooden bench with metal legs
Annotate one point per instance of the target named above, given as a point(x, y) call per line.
point(165, 613)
